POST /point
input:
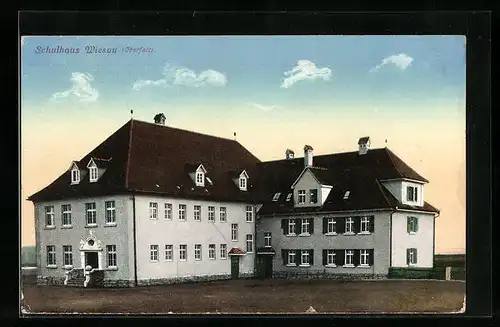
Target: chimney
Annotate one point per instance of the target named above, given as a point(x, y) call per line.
point(289, 154)
point(308, 156)
point(159, 119)
point(364, 145)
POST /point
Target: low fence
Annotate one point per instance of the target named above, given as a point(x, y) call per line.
point(440, 273)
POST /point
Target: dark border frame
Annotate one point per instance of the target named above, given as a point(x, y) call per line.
point(475, 25)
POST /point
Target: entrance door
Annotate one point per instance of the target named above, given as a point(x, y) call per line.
point(268, 266)
point(91, 259)
point(235, 266)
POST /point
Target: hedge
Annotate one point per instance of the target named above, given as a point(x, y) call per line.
point(417, 273)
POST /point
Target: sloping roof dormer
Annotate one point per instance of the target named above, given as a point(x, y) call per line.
point(75, 173)
point(93, 171)
point(197, 173)
point(241, 180)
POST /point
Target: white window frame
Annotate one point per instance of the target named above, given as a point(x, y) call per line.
point(182, 212)
point(291, 223)
point(223, 251)
point(234, 232)
point(414, 191)
point(249, 214)
point(276, 197)
point(200, 178)
point(51, 259)
point(91, 212)
point(349, 254)
point(197, 212)
point(267, 239)
point(211, 252)
point(301, 197)
point(110, 212)
point(66, 215)
point(310, 196)
point(169, 252)
point(288, 197)
point(168, 211)
point(49, 217)
point(349, 222)
point(413, 225)
point(331, 226)
point(111, 256)
point(93, 174)
point(331, 258)
point(222, 214)
point(249, 243)
point(182, 252)
point(243, 183)
point(307, 262)
point(67, 256)
point(304, 225)
point(197, 252)
point(413, 261)
point(153, 253)
point(291, 262)
point(153, 210)
point(75, 176)
point(211, 214)
point(365, 225)
point(364, 258)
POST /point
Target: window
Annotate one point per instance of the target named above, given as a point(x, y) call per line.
point(211, 251)
point(223, 251)
point(183, 252)
point(365, 225)
point(331, 226)
point(66, 214)
point(197, 252)
point(304, 258)
point(313, 196)
point(200, 179)
point(249, 214)
point(182, 212)
point(349, 225)
point(234, 232)
point(211, 214)
point(412, 225)
point(111, 254)
point(51, 255)
point(110, 212)
point(168, 211)
point(276, 196)
point(67, 255)
point(412, 193)
point(288, 197)
point(90, 213)
point(291, 258)
point(363, 258)
point(330, 258)
point(75, 176)
point(243, 183)
point(93, 174)
point(291, 227)
point(153, 253)
point(169, 252)
point(197, 213)
point(223, 215)
point(49, 216)
point(411, 256)
point(302, 196)
point(249, 243)
point(346, 195)
point(267, 239)
point(349, 258)
point(305, 226)
point(153, 210)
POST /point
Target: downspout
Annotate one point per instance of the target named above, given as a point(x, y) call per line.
point(135, 240)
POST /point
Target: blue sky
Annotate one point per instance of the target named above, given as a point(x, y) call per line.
point(253, 68)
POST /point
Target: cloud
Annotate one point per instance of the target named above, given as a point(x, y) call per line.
point(81, 88)
point(263, 107)
point(176, 75)
point(305, 70)
point(402, 61)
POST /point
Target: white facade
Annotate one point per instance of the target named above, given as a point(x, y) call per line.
point(176, 232)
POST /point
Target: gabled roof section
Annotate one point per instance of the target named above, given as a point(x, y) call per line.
point(322, 175)
point(91, 163)
point(75, 165)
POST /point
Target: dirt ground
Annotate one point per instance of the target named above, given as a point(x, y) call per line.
point(254, 296)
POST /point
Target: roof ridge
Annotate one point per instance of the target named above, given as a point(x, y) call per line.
point(128, 152)
point(319, 156)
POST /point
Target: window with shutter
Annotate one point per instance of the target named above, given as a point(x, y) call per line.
point(341, 225)
point(408, 257)
point(416, 224)
point(325, 225)
point(297, 257)
point(311, 257)
point(284, 225)
point(357, 224)
point(339, 257)
point(370, 257)
point(325, 253)
point(284, 256)
point(408, 224)
point(298, 226)
point(372, 224)
point(357, 256)
point(311, 226)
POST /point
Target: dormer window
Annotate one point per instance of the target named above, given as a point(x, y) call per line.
point(75, 176)
point(93, 174)
point(243, 183)
point(412, 193)
point(276, 197)
point(346, 195)
point(200, 179)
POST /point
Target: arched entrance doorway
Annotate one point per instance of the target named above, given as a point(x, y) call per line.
point(91, 252)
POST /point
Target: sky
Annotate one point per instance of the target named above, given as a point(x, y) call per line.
point(274, 92)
